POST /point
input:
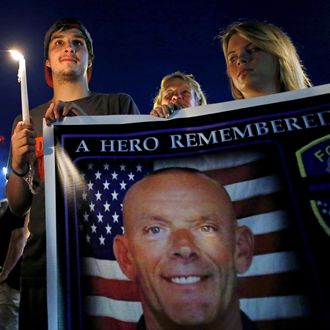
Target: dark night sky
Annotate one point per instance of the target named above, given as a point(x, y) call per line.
point(137, 42)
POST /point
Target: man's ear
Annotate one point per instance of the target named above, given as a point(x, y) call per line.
point(123, 256)
point(244, 248)
point(47, 63)
point(90, 63)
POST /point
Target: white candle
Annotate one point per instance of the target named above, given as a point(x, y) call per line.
point(22, 80)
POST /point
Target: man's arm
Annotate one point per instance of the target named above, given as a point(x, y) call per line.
point(15, 250)
point(18, 195)
point(22, 152)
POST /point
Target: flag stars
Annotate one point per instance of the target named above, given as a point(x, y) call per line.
point(99, 217)
point(88, 238)
point(123, 185)
point(98, 196)
point(106, 185)
point(90, 185)
point(85, 215)
point(115, 217)
point(108, 229)
point(114, 195)
point(93, 228)
point(101, 199)
point(106, 207)
point(91, 206)
point(102, 239)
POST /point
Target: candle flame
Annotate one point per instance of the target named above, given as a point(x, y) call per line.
point(16, 55)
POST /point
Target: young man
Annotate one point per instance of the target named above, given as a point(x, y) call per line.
point(177, 91)
point(183, 247)
point(68, 65)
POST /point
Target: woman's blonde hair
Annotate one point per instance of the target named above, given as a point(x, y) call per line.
point(272, 40)
point(189, 78)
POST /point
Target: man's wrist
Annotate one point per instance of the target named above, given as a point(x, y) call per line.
point(19, 174)
point(29, 178)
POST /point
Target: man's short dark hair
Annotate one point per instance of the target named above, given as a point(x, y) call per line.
point(64, 24)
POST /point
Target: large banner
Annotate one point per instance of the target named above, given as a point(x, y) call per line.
point(271, 153)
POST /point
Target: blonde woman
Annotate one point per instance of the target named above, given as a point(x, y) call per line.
point(261, 60)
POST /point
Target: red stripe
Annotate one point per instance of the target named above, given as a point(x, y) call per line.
point(114, 289)
point(283, 284)
point(274, 242)
point(259, 204)
point(241, 173)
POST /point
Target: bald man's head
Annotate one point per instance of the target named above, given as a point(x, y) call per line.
point(172, 184)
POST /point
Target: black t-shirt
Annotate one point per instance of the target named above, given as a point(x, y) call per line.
point(9, 222)
point(34, 256)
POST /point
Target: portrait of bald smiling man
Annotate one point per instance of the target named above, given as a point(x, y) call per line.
point(183, 247)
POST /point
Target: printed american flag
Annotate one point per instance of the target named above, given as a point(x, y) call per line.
point(269, 291)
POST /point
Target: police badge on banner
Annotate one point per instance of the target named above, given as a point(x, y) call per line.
point(271, 153)
point(314, 166)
